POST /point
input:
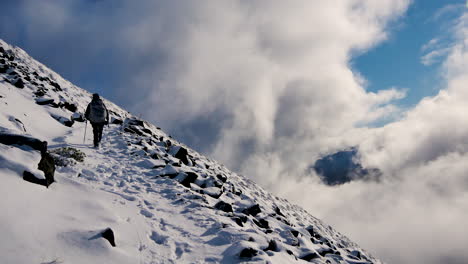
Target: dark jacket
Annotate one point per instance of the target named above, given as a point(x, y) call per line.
point(89, 108)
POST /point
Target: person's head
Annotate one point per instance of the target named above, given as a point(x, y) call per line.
point(95, 96)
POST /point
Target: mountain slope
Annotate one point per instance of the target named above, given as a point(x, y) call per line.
point(165, 202)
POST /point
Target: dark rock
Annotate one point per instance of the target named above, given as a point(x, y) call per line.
point(55, 85)
point(19, 83)
point(47, 165)
point(253, 210)
point(310, 229)
point(29, 177)
point(262, 223)
point(278, 212)
point(223, 206)
point(248, 253)
point(2, 61)
point(69, 106)
point(182, 155)
point(12, 73)
point(63, 120)
point(4, 69)
point(240, 220)
point(34, 143)
point(11, 58)
point(44, 101)
point(310, 256)
point(272, 246)
point(220, 177)
point(290, 252)
point(136, 122)
point(117, 121)
point(78, 117)
point(324, 252)
point(191, 178)
point(295, 233)
point(109, 235)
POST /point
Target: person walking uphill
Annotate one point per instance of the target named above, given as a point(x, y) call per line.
point(98, 116)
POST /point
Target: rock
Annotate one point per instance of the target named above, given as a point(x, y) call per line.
point(278, 212)
point(47, 165)
point(2, 61)
point(34, 143)
point(262, 223)
point(108, 234)
point(253, 210)
point(220, 177)
point(69, 106)
point(248, 253)
point(65, 121)
point(310, 229)
point(116, 121)
point(44, 101)
point(272, 246)
point(29, 177)
point(223, 206)
point(40, 91)
point(19, 83)
point(78, 117)
point(191, 178)
point(56, 86)
point(326, 251)
point(240, 220)
point(295, 233)
point(181, 153)
point(310, 256)
point(214, 192)
point(4, 69)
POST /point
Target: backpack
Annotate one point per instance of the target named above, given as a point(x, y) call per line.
point(97, 112)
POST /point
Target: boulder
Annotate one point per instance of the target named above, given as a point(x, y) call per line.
point(34, 143)
point(108, 234)
point(19, 83)
point(78, 117)
point(272, 246)
point(248, 253)
point(180, 153)
point(190, 178)
point(44, 101)
point(69, 106)
point(253, 210)
point(29, 177)
point(262, 223)
point(223, 206)
point(240, 220)
point(47, 165)
point(310, 256)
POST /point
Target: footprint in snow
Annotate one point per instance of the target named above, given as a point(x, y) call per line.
point(158, 238)
point(146, 213)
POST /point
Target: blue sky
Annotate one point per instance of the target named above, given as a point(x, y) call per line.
point(397, 61)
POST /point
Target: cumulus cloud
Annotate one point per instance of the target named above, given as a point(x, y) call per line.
point(267, 87)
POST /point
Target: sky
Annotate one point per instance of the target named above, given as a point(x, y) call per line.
point(268, 87)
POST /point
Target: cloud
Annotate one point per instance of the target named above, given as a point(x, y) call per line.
point(267, 87)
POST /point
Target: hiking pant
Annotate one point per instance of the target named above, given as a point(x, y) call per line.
point(97, 131)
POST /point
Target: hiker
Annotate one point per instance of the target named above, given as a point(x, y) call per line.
point(98, 116)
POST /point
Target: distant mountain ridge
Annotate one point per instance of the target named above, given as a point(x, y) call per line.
point(164, 202)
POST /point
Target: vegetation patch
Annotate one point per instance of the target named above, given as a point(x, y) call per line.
point(67, 156)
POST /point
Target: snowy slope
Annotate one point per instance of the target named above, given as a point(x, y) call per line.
point(163, 205)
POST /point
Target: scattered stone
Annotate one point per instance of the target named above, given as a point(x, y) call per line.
point(253, 210)
point(47, 165)
point(278, 212)
point(248, 253)
point(223, 206)
point(272, 246)
point(4, 69)
point(295, 233)
point(29, 177)
point(56, 86)
point(19, 83)
point(220, 177)
point(240, 220)
point(34, 143)
point(182, 154)
point(78, 117)
point(109, 235)
point(116, 121)
point(191, 178)
point(44, 101)
point(69, 106)
point(262, 223)
point(310, 256)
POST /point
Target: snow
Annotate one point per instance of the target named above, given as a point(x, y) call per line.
point(126, 185)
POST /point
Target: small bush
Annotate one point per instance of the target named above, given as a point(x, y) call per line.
point(67, 156)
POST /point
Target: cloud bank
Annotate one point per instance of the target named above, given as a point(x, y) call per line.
point(267, 87)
